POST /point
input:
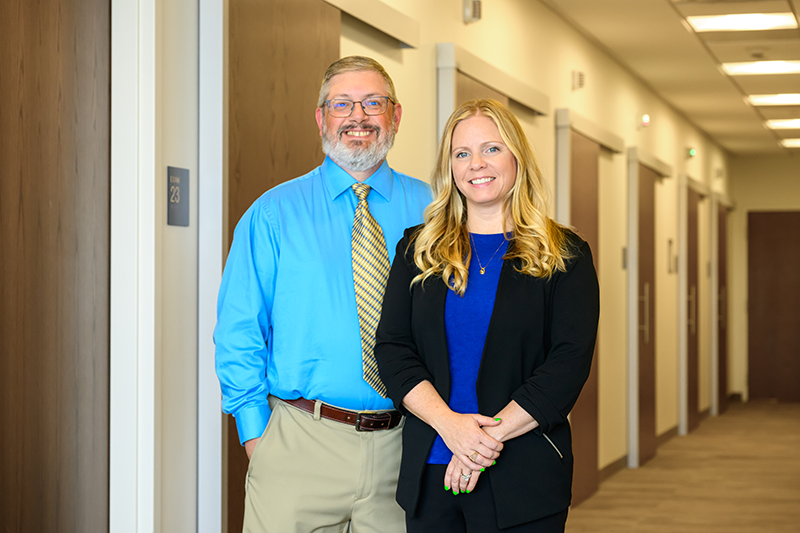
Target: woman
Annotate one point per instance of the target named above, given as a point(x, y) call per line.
point(491, 307)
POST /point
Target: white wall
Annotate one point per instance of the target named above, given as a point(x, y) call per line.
point(176, 288)
point(768, 183)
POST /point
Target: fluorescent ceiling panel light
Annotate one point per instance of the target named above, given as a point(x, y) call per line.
point(743, 22)
point(774, 99)
point(791, 143)
point(783, 124)
point(761, 67)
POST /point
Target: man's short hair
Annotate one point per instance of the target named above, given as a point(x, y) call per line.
point(354, 64)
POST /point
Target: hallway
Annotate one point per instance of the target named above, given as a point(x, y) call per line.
point(737, 473)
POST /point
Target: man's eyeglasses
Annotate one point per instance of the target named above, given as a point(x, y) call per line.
point(342, 108)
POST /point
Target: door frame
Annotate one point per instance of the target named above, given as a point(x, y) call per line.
point(636, 156)
point(567, 120)
point(212, 199)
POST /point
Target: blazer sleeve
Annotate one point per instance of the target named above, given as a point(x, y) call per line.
point(400, 365)
point(573, 309)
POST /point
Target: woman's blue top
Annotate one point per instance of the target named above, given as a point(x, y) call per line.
point(466, 321)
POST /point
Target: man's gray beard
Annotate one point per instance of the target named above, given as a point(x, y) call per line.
point(357, 158)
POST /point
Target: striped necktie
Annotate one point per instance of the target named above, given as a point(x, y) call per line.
point(370, 271)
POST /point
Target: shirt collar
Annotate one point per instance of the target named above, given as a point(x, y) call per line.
point(337, 180)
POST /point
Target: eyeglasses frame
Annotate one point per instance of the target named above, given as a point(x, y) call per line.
point(361, 103)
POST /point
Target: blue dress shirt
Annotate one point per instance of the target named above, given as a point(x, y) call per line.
point(287, 322)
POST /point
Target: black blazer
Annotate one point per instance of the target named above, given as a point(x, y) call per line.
point(538, 352)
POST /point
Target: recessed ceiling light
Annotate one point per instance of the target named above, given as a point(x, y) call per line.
point(784, 124)
point(791, 143)
point(761, 67)
point(743, 22)
point(774, 99)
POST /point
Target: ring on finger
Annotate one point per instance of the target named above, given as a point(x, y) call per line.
point(473, 456)
point(466, 477)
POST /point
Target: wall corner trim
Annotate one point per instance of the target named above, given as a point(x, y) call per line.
point(566, 118)
point(383, 17)
point(488, 74)
point(650, 161)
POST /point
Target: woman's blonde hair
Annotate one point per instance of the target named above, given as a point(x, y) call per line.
point(443, 246)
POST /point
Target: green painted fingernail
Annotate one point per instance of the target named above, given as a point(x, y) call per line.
point(483, 470)
point(446, 487)
point(455, 492)
point(497, 419)
point(467, 492)
point(494, 463)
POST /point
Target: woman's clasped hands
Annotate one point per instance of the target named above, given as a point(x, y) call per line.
point(473, 449)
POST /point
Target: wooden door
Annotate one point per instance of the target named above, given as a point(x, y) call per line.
point(647, 328)
point(279, 50)
point(55, 170)
point(693, 413)
point(583, 208)
point(774, 310)
point(722, 295)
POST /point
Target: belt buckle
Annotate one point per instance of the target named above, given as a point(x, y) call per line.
point(378, 418)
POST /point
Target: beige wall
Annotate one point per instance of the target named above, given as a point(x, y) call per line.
point(768, 183)
point(176, 271)
point(541, 50)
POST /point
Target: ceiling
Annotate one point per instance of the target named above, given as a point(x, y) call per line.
point(653, 39)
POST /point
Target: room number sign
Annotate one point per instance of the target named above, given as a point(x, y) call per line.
point(177, 196)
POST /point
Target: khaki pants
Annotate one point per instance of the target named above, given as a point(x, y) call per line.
point(311, 474)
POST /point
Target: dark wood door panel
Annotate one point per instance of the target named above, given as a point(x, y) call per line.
point(692, 336)
point(722, 302)
point(584, 213)
point(774, 305)
point(54, 277)
point(647, 306)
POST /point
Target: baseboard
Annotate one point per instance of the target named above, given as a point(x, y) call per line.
point(611, 469)
point(666, 436)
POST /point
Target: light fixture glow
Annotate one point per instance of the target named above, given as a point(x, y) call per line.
point(774, 99)
point(691, 152)
point(645, 120)
point(743, 22)
point(761, 67)
point(784, 124)
point(791, 143)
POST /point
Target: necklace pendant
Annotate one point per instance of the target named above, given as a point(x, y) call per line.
point(483, 271)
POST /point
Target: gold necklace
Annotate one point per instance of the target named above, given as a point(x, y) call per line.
point(474, 247)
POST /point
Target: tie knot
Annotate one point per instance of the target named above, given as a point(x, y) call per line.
point(361, 190)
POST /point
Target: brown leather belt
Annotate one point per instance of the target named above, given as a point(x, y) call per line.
point(361, 421)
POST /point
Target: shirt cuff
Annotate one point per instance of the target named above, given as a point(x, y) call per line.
point(252, 421)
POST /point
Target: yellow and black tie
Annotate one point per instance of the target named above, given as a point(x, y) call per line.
point(370, 272)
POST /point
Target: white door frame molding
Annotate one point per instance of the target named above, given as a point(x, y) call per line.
point(212, 114)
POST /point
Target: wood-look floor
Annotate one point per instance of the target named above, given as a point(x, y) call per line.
point(736, 473)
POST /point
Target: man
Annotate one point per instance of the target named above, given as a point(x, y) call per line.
point(298, 306)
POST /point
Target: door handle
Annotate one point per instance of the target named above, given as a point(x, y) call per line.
point(692, 310)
